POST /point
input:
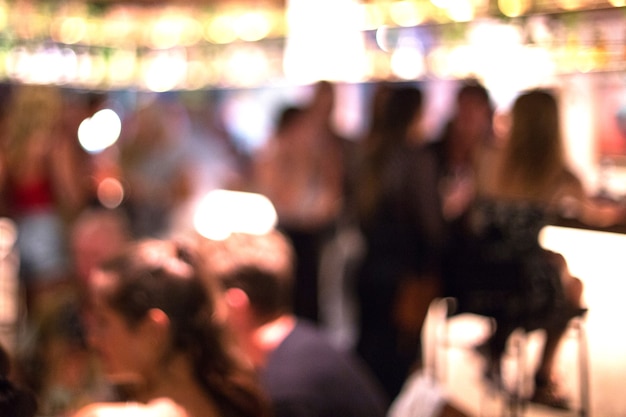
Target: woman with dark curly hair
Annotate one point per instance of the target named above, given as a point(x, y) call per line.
point(158, 331)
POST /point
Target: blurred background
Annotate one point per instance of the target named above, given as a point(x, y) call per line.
point(147, 93)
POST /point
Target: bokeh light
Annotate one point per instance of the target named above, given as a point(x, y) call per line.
point(98, 132)
point(222, 212)
point(110, 192)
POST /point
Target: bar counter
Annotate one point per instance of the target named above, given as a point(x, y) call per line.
point(598, 257)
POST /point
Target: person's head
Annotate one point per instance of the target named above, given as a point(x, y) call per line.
point(403, 113)
point(149, 304)
point(472, 120)
point(260, 266)
point(154, 310)
point(534, 150)
point(287, 117)
point(97, 234)
point(323, 101)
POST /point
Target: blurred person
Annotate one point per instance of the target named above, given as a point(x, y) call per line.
point(302, 171)
point(214, 160)
point(15, 400)
point(40, 187)
point(459, 150)
point(61, 370)
point(450, 166)
point(161, 338)
point(154, 160)
point(302, 372)
point(394, 282)
point(95, 236)
point(532, 185)
point(56, 360)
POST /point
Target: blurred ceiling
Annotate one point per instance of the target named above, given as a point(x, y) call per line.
point(218, 4)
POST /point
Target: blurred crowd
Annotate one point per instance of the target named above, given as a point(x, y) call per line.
point(373, 227)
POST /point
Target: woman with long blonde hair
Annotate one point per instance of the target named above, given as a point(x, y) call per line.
point(532, 186)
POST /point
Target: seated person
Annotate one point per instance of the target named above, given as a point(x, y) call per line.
point(532, 184)
point(300, 369)
point(160, 339)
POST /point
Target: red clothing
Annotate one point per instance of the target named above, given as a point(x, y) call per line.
point(30, 197)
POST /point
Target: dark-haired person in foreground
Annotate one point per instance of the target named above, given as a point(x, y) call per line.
point(303, 374)
point(160, 336)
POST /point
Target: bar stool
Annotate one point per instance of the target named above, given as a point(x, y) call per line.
point(576, 331)
point(441, 337)
point(513, 395)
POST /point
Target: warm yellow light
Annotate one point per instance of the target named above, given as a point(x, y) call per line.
point(4, 15)
point(92, 69)
point(221, 30)
point(617, 3)
point(252, 26)
point(438, 61)
point(461, 63)
point(119, 29)
point(513, 8)
point(585, 60)
point(240, 60)
point(372, 16)
point(198, 75)
point(192, 32)
point(460, 10)
point(406, 13)
point(72, 30)
point(165, 33)
point(122, 66)
point(570, 4)
point(165, 70)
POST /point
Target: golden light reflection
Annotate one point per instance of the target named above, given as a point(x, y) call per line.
point(164, 70)
point(570, 4)
point(406, 13)
point(4, 15)
point(119, 29)
point(69, 30)
point(372, 16)
point(513, 8)
point(253, 26)
point(239, 63)
point(192, 32)
point(221, 30)
point(460, 10)
point(437, 62)
point(166, 33)
point(197, 75)
point(122, 67)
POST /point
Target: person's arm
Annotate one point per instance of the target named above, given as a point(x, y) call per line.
point(575, 202)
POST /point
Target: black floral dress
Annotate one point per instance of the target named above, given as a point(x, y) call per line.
point(501, 270)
